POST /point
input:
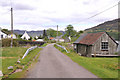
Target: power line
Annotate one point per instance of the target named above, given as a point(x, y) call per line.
point(99, 13)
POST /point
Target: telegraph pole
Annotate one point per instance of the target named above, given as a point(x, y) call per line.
point(57, 30)
point(11, 27)
point(57, 33)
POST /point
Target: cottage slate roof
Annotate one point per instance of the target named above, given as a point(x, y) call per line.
point(89, 39)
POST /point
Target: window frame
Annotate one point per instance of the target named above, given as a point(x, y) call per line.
point(104, 46)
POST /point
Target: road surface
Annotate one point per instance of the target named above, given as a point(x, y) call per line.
point(54, 64)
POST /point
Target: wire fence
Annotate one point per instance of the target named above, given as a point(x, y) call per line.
point(62, 47)
point(28, 50)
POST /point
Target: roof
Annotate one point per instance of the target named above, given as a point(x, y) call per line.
point(39, 40)
point(51, 38)
point(89, 39)
point(81, 37)
point(25, 35)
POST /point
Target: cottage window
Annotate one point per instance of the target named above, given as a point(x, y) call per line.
point(104, 46)
point(1, 36)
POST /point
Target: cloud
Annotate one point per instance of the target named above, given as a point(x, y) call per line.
point(23, 7)
point(49, 13)
point(16, 5)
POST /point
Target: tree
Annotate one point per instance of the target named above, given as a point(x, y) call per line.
point(19, 36)
point(40, 37)
point(53, 33)
point(46, 39)
point(70, 31)
point(79, 32)
point(44, 33)
point(35, 38)
point(6, 31)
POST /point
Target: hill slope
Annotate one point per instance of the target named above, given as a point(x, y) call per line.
point(109, 25)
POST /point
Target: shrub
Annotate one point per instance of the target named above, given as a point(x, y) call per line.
point(7, 43)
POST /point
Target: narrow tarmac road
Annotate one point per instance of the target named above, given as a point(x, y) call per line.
point(54, 64)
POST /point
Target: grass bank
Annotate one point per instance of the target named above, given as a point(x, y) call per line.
point(26, 62)
point(10, 57)
point(101, 67)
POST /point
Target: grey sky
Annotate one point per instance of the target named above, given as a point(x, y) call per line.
point(44, 14)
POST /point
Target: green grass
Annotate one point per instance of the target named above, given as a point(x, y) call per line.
point(13, 52)
point(7, 52)
point(25, 61)
point(101, 67)
point(10, 57)
point(44, 45)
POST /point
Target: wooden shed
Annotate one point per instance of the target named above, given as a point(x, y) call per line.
point(95, 44)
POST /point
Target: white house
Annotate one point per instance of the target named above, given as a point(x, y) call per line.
point(36, 37)
point(40, 40)
point(14, 36)
point(61, 40)
point(25, 36)
point(2, 35)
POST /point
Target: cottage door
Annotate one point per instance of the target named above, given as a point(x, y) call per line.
point(86, 50)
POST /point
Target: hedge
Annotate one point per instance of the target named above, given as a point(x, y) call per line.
point(17, 43)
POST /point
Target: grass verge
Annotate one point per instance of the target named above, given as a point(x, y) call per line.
point(26, 62)
point(10, 57)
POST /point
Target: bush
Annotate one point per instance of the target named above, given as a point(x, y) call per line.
point(7, 43)
point(19, 42)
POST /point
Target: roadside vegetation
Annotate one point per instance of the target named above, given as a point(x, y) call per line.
point(10, 56)
point(101, 67)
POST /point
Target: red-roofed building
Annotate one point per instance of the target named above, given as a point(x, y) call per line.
point(51, 38)
point(95, 44)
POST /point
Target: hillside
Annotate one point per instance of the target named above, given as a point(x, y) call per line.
point(109, 25)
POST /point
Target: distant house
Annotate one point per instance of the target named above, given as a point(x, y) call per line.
point(40, 40)
point(36, 37)
point(2, 35)
point(51, 38)
point(14, 36)
point(25, 36)
point(59, 38)
point(95, 44)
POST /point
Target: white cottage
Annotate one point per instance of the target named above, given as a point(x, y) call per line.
point(2, 35)
point(14, 36)
point(25, 36)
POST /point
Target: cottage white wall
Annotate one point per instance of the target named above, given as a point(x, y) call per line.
point(14, 36)
point(4, 35)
